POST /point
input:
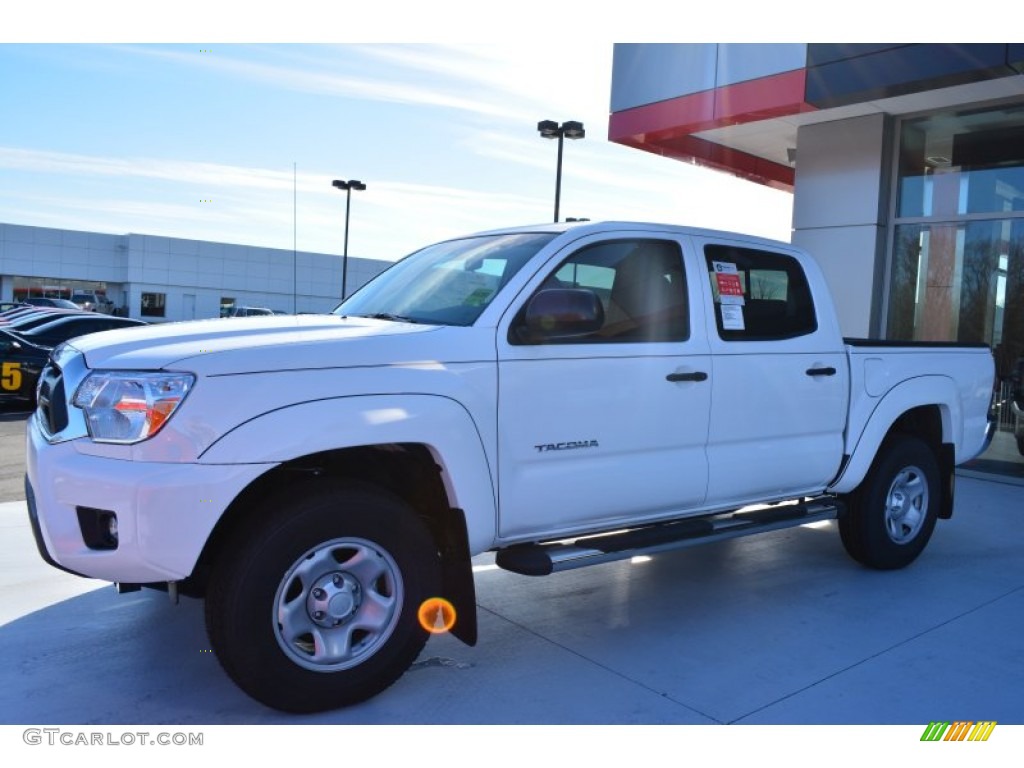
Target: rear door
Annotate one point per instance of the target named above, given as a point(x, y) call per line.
point(779, 383)
point(610, 426)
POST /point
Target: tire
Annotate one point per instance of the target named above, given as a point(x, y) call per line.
point(315, 605)
point(891, 515)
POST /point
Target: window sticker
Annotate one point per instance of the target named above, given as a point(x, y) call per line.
point(727, 280)
point(479, 297)
point(732, 317)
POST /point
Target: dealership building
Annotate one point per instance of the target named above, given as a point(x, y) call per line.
point(165, 278)
point(906, 164)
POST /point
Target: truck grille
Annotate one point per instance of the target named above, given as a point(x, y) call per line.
point(50, 399)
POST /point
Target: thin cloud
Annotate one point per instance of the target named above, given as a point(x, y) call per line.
point(316, 78)
point(180, 171)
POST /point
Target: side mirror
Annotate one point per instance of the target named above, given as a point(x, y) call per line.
point(558, 314)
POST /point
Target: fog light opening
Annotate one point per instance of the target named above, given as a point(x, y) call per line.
point(99, 527)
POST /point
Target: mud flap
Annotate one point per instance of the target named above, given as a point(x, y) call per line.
point(947, 479)
point(457, 575)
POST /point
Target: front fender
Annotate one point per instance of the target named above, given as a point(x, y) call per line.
point(940, 391)
point(440, 423)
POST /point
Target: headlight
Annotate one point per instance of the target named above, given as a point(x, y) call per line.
point(129, 406)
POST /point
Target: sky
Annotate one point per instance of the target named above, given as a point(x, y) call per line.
point(239, 141)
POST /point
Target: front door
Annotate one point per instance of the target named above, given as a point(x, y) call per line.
point(608, 427)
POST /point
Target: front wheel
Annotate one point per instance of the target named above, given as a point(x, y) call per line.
point(314, 606)
point(891, 515)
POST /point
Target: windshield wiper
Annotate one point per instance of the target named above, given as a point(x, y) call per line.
point(390, 316)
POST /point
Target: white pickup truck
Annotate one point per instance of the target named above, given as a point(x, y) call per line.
point(562, 395)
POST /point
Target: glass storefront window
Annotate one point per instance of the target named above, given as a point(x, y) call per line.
point(958, 251)
point(959, 281)
point(53, 288)
point(153, 305)
point(961, 164)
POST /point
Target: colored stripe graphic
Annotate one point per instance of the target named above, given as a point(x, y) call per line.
point(960, 730)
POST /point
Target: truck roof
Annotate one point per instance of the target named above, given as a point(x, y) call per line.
point(587, 227)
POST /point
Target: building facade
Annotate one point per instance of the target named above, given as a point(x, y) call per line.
point(906, 162)
point(162, 279)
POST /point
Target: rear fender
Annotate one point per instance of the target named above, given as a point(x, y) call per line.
point(939, 391)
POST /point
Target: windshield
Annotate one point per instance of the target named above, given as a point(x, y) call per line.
point(450, 283)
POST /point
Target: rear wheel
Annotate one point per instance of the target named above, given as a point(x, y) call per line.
point(890, 517)
point(315, 606)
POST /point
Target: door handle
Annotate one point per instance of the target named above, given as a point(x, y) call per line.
point(830, 371)
point(694, 376)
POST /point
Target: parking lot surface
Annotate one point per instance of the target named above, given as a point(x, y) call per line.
point(780, 628)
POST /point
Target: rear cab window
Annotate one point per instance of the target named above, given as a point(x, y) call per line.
point(759, 295)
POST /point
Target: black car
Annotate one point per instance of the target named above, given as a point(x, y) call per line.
point(45, 301)
point(20, 310)
point(20, 364)
point(1017, 403)
point(74, 324)
point(23, 355)
point(28, 320)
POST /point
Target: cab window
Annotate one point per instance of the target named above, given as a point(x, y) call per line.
point(758, 295)
point(639, 285)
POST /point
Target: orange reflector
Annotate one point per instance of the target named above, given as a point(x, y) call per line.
point(437, 615)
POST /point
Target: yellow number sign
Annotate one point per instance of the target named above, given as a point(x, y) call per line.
point(10, 377)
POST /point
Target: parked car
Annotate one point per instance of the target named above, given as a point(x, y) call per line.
point(20, 364)
point(26, 343)
point(1017, 403)
point(19, 310)
point(42, 315)
point(248, 312)
point(561, 395)
point(91, 301)
point(60, 329)
point(47, 301)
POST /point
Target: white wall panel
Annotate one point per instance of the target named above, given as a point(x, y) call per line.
point(44, 236)
point(72, 239)
point(839, 173)
point(839, 212)
point(847, 258)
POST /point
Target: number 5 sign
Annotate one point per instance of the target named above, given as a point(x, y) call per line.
point(10, 377)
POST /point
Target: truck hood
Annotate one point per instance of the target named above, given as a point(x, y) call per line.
point(249, 344)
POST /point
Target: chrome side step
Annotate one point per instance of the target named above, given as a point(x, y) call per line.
point(542, 559)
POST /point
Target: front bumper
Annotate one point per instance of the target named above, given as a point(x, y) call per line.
point(165, 512)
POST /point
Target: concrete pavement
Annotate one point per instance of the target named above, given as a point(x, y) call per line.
point(780, 628)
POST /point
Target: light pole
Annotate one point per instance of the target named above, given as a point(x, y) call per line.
point(570, 129)
point(348, 186)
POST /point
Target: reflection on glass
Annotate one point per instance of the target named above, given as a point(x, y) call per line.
point(959, 282)
point(958, 252)
point(961, 164)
